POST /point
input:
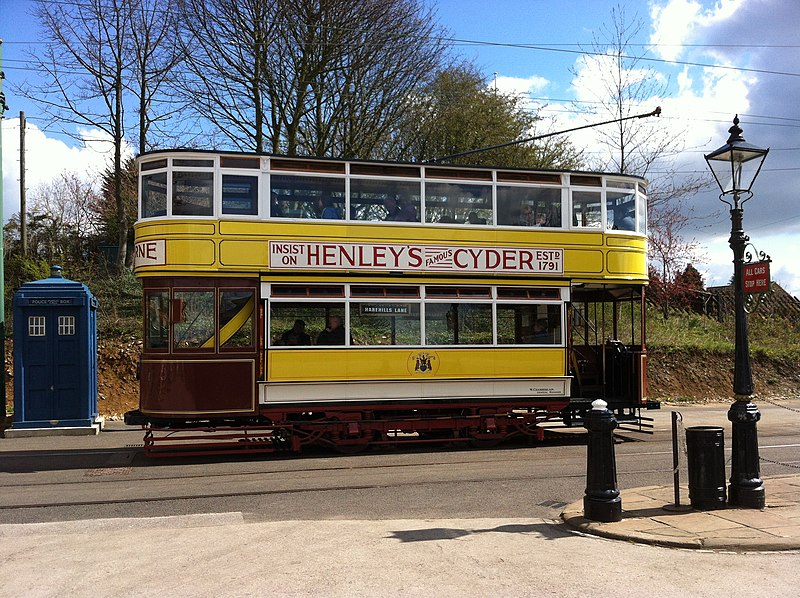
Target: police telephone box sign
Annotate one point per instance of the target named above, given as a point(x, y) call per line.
point(395, 257)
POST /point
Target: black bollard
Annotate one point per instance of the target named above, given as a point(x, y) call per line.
point(602, 501)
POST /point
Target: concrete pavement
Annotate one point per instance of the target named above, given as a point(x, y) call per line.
point(232, 554)
point(649, 516)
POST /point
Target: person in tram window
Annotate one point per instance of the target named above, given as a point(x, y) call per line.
point(328, 210)
point(296, 335)
point(333, 334)
point(275, 208)
point(397, 213)
point(540, 332)
point(526, 216)
point(539, 335)
point(472, 218)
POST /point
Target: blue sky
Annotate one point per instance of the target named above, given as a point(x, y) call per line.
point(757, 42)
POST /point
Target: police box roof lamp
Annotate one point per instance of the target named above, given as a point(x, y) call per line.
point(55, 272)
point(736, 164)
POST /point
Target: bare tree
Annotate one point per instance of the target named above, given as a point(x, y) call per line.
point(62, 218)
point(668, 250)
point(84, 69)
point(306, 76)
point(637, 146)
point(154, 60)
point(225, 76)
point(628, 87)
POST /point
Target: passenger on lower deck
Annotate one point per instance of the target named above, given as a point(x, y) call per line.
point(296, 335)
point(333, 334)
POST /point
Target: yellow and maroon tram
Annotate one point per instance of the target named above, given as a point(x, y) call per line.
point(290, 301)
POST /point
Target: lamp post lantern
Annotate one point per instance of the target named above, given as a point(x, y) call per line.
point(735, 166)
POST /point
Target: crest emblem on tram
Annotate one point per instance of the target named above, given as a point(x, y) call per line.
point(423, 362)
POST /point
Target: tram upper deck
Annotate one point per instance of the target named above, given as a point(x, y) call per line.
point(212, 212)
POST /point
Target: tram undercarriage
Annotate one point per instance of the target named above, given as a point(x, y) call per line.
point(352, 430)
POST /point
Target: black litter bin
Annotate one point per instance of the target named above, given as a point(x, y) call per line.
point(705, 448)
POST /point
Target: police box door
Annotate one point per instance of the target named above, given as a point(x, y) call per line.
point(52, 365)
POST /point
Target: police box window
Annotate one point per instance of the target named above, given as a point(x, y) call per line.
point(66, 325)
point(239, 194)
point(36, 325)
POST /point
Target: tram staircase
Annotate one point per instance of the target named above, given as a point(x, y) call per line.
point(588, 366)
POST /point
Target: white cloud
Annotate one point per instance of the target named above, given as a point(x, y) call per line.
point(675, 23)
point(46, 158)
point(520, 85)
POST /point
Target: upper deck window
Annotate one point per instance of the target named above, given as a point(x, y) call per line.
point(154, 195)
point(526, 206)
point(392, 200)
point(621, 210)
point(307, 197)
point(239, 194)
point(586, 209)
point(192, 193)
point(458, 203)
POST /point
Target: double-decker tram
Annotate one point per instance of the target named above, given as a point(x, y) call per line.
point(293, 301)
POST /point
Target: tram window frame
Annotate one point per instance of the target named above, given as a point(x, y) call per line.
point(192, 199)
point(154, 194)
point(157, 319)
point(525, 316)
point(315, 315)
point(179, 300)
point(586, 209)
point(368, 199)
point(621, 210)
point(243, 204)
point(226, 346)
point(312, 206)
point(512, 201)
point(456, 319)
point(391, 319)
point(641, 213)
point(449, 202)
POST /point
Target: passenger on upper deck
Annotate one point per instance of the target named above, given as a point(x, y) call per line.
point(328, 210)
point(397, 213)
point(333, 334)
point(275, 208)
point(526, 216)
point(472, 218)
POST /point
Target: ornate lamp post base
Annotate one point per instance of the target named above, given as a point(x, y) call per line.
point(746, 487)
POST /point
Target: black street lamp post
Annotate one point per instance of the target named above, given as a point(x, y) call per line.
point(735, 166)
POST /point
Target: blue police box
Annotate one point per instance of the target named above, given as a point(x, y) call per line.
point(55, 355)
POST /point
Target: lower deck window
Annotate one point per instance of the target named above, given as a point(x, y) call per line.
point(404, 319)
point(305, 324)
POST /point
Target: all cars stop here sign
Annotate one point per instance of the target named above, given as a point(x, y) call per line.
point(756, 277)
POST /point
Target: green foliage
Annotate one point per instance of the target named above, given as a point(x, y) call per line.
point(458, 112)
point(119, 311)
point(772, 336)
